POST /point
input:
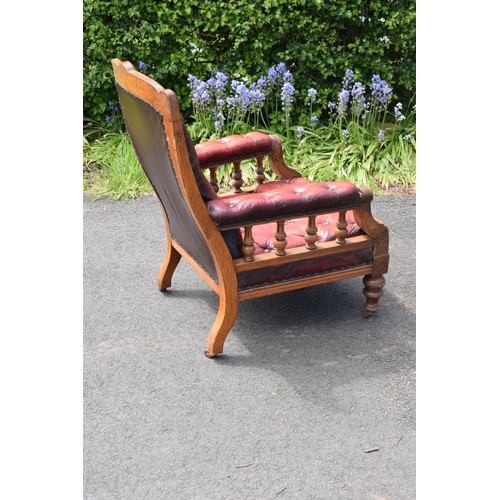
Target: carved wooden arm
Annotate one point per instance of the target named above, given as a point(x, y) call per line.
point(285, 199)
point(236, 148)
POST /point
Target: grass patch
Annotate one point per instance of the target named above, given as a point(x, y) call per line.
point(111, 168)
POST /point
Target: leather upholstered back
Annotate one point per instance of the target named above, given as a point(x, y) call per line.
point(145, 127)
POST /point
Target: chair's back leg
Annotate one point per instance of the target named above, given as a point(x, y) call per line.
point(167, 269)
point(172, 258)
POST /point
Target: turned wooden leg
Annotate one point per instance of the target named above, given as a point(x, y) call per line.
point(372, 292)
point(228, 310)
point(167, 269)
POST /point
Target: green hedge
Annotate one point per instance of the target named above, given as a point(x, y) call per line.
point(317, 39)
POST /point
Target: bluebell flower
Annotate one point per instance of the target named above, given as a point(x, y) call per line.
point(257, 99)
point(217, 125)
point(381, 93)
point(345, 133)
point(287, 96)
point(381, 134)
point(343, 102)
point(281, 67)
point(314, 119)
point(115, 112)
point(199, 93)
point(398, 114)
point(332, 107)
point(241, 99)
point(142, 66)
point(220, 80)
point(272, 77)
point(358, 99)
point(235, 83)
point(287, 77)
point(217, 87)
point(348, 79)
point(407, 137)
point(262, 83)
point(300, 131)
point(243, 96)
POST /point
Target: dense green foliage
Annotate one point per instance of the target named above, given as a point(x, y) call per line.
point(318, 40)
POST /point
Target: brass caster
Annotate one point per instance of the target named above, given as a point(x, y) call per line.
point(209, 354)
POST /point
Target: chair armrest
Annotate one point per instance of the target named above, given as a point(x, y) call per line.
point(236, 148)
point(291, 199)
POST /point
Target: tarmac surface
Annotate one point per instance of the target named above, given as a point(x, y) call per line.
point(305, 387)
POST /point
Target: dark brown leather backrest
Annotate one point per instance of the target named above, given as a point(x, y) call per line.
point(147, 133)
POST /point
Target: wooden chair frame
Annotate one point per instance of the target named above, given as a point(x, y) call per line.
point(374, 234)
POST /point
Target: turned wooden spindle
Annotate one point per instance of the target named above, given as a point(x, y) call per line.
point(259, 171)
point(248, 245)
point(237, 180)
point(341, 231)
point(280, 238)
point(311, 236)
point(213, 179)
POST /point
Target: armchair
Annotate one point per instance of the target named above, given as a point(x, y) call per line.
point(277, 236)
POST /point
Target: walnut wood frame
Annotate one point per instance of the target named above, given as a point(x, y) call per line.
point(226, 286)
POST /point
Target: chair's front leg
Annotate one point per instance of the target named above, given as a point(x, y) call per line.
point(372, 291)
point(228, 310)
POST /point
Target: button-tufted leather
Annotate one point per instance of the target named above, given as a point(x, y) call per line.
point(286, 198)
point(233, 148)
